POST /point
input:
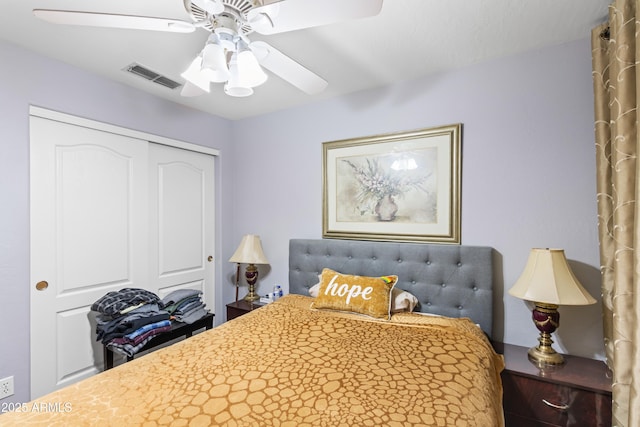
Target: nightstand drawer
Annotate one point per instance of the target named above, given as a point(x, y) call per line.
point(553, 404)
point(238, 308)
point(233, 312)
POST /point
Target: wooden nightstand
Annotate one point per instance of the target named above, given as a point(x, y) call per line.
point(577, 394)
point(238, 308)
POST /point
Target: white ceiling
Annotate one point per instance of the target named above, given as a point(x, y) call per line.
point(408, 39)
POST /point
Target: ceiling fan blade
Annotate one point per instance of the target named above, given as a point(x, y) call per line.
point(94, 19)
point(213, 7)
point(288, 15)
point(287, 69)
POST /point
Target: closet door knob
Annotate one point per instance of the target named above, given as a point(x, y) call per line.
point(41, 286)
point(210, 258)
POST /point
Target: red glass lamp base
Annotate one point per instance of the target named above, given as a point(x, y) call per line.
point(547, 320)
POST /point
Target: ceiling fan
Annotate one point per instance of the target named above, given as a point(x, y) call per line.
point(229, 56)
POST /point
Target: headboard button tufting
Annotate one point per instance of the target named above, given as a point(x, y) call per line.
point(420, 267)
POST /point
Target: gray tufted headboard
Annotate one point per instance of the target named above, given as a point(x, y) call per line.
point(455, 281)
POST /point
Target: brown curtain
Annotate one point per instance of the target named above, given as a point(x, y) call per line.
point(616, 81)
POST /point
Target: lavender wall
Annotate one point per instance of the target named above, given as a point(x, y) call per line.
point(32, 79)
point(528, 171)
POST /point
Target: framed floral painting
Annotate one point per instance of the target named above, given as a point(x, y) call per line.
point(401, 186)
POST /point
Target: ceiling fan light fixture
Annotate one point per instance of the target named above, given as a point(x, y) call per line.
point(190, 90)
point(250, 73)
point(214, 63)
point(224, 37)
point(194, 75)
point(237, 91)
point(235, 87)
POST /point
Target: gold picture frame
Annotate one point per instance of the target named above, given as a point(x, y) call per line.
point(400, 187)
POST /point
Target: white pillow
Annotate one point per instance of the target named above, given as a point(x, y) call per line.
point(400, 300)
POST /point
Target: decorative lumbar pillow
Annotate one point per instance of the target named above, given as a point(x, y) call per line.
point(401, 301)
point(358, 294)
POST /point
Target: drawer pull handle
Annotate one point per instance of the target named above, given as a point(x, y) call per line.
point(553, 405)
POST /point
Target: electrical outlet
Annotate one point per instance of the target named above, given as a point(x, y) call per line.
point(6, 387)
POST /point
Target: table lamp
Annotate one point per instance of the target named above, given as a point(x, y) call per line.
point(547, 281)
point(250, 252)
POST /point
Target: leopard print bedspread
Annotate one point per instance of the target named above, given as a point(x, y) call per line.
point(288, 365)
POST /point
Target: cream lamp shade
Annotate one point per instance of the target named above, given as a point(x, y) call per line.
point(249, 252)
point(548, 278)
point(547, 281)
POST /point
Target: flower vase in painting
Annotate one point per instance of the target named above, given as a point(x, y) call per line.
point(386, 208)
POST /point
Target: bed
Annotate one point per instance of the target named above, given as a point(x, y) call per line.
point(294, 362)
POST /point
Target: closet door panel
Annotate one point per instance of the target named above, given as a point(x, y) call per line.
point(181, 220)
point(88, 237)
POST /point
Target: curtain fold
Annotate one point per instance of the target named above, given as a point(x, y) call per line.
point(616, 78)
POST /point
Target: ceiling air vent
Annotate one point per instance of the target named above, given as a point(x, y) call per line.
point(146, 73)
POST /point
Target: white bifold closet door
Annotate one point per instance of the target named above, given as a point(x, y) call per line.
point(107, 212)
